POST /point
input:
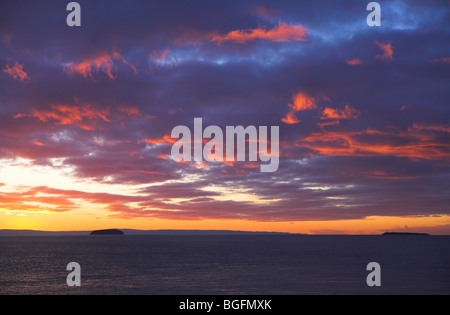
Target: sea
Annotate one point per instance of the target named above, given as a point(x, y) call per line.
point(225, 264)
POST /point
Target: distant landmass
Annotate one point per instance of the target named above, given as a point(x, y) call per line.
point(107, 232)
point(9, 232)
point(404, 233)
point(201, 232)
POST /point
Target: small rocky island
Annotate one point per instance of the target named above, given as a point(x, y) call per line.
point(403, 233)
point(107, 232)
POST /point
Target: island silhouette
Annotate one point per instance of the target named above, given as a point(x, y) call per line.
point(107, 232)
point(404, 233)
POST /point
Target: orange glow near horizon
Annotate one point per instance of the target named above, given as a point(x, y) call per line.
point(88, 220)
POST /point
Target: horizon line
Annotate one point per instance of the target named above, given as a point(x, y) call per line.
point(203, 230)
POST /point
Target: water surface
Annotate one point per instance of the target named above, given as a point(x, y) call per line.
point(233, 264)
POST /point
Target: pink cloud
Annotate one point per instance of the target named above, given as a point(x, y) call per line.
point(16, 72)
point(387, 50)
point(83, 116)
point(283, 32)
point(347, 113)
point(355, 62)
point(290, 118)
point(130, 111)
point(420, 141)
point(104, 62)
point(300, 102)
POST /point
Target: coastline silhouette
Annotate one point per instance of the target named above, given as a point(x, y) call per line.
point(107, 232)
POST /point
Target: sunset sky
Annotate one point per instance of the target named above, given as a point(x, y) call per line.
point(86, 115)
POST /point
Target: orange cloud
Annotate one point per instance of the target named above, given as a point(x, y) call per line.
point(418, 142)
point(387, 50)
point(57, 200)
point(130, 111)
point(386, 175)
point(16, 71)
point(165, 139)
point(424, 127)
point(283, 32)
point(87, 67)
point(301, 101)
point(103, 62)
point(19, 115)
point(34, 200)
point(354, 62)
point(145, 172)
point(252, 165)
point(328, 123)
point(347, 113)
point(290, 118)
point(66, 115)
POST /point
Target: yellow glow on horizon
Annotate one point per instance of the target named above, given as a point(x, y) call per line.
point(99, 219)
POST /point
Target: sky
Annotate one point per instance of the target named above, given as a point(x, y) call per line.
point(86, 115)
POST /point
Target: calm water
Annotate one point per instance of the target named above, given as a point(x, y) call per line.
point(225, 264)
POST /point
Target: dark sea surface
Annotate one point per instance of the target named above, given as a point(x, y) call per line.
point(244, 264)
